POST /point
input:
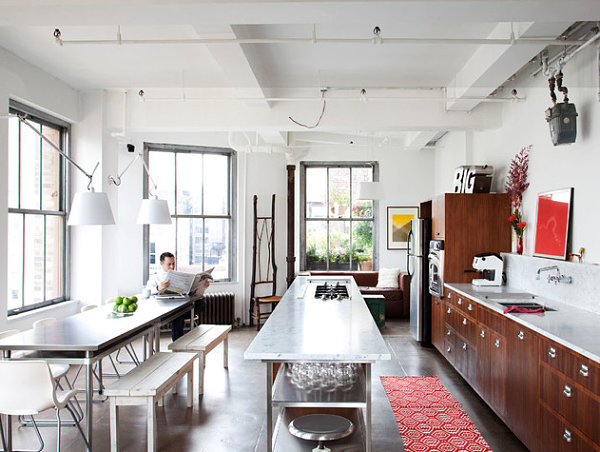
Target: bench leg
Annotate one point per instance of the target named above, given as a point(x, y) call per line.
point(152, 433)
point(175, 388)
point(226, 352)
point(190, 387)
point(114, 425)
point(200, 373)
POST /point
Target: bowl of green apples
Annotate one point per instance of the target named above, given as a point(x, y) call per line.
point(125, 306)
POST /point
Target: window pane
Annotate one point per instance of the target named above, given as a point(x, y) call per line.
point(34, 259)
point(339, 245)
point(189, 245)
point(216, 184)
point(217, 247)
point(339, 192)
point(362, 208)
point(316, 245)
point(50, 170)
point(30, 168)
point(189, 184)
point(362, 244)
point(15, 261)
point(316, 192)
point(162, 238)
point(13, 163)
point(54, 257)
point(162, 170)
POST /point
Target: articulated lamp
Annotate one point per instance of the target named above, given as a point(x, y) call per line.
point(88, 208)
point(152, 210)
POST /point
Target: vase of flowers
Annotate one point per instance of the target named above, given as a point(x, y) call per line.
point(516, 184)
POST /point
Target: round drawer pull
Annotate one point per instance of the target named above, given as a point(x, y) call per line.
point(521, 335)
point(567, 436)
point(464, 346)
point(464, 322)
point(470, 307)
point(448, 333)
point(567, 391)
point(584, 371)
point(552, 352)
point(449, 295)
point(448, 349)
point(449, 311)
point(497, 343)
point(482, 334)
point(459, 301)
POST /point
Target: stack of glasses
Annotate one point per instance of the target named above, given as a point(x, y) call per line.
point(324, 376)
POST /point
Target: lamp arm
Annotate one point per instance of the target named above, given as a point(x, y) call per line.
point(23, 120)
point(117, 180)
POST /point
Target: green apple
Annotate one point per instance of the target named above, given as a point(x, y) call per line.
point(127, 301)
point(134, 298)
point(122, 308)
point(116, 308)
point(118, 300)
point(132, 307)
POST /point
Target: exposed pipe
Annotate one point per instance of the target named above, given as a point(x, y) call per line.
point(547, 67)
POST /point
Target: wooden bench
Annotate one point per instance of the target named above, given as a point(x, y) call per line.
point(147, 384)
point(202, 340)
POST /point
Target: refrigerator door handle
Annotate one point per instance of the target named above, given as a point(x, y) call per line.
point(410, 233)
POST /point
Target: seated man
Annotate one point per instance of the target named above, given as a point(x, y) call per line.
point(159, 282)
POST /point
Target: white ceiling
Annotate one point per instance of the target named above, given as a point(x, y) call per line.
point(265, 70)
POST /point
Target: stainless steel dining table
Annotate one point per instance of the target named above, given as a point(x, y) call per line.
point(87, 337)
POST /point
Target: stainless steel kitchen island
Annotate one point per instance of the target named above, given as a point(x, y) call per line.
point(318, 330)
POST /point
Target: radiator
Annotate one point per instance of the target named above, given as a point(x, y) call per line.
point(219, 308)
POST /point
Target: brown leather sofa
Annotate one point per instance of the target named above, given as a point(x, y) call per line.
point(397, 301)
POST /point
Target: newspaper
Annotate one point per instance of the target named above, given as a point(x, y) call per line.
point(182, 284)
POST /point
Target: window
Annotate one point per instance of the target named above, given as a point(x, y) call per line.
point(197, 183)
point(36, 211)
point(337, 228)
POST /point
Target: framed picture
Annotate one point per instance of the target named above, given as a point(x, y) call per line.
point(398, 226)
point(552, 225)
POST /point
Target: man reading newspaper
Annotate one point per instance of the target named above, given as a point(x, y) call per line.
point(160, 283)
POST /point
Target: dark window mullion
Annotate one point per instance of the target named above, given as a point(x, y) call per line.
point(203, 243)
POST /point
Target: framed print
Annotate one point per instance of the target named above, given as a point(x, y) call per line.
point(552, 225)
point(398, 226)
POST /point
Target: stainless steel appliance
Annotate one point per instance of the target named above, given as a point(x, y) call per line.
point(436, 268)
point(420, 300)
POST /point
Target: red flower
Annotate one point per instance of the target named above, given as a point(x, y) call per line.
point(522, 225)
point(512, 218)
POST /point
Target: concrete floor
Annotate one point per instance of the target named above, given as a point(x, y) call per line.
point(231, 416)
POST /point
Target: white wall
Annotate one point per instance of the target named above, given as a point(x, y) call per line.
point(550, 167)
point(22, 81)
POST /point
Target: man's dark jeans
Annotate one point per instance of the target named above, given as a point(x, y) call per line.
point(177, 324)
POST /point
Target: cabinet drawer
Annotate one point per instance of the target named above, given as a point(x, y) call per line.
point(568, 399)
point(450, 343)
point(559, 436)
point(462, 304)
point(466, 327)
point(574, 366)
point(492, 320)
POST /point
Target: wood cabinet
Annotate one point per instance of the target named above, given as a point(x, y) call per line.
point(522, 383)
point(469, 224)
point(437, 323)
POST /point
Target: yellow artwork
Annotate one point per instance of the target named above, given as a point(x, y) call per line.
point(399, 219)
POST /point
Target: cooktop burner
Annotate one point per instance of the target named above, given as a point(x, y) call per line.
point(331, 291)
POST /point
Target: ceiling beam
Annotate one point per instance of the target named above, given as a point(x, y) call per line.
point(491, 66)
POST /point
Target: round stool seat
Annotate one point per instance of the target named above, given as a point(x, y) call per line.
point(321, 427)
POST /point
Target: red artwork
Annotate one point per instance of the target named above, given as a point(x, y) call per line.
point(429, 418)
point(552, 225)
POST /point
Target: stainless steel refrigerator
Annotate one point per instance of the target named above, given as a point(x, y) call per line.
point(418, 268)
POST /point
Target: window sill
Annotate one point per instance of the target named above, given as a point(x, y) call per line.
point(59, 310)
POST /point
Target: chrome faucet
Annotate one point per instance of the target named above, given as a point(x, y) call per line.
point(554, 278)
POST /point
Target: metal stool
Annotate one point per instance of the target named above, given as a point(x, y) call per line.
point(321, 427)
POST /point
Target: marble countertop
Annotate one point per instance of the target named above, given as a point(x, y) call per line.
point(574, 328)
point(303, 328)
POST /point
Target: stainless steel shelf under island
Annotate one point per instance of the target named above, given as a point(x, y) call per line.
point(335, 333)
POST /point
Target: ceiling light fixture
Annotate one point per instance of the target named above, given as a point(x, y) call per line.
point(88, 208)
point(323, 91)
point(377, 36)
point(152, 210)
point(363, 95)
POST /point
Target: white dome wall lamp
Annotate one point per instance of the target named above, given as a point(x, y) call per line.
point(88, 208)
point(152, 210)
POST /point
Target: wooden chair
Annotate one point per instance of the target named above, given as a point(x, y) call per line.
point(264, 269)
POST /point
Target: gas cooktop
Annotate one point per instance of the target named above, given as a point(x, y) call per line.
point(331, 291)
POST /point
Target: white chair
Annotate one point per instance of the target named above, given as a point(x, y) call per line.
point(88, 307)
point(27, 388)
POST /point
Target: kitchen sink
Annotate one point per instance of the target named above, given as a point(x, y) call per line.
point(526, 305)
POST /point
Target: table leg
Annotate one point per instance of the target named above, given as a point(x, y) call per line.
point(368, 407)
point(89, 399)
point(152, 432)
point(200, 373)
point(192, 317)
point(157, 338)
point(190, 387)
point(269, 407)
point(114, 425)
point(226, 352)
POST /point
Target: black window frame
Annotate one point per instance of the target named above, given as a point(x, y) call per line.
point(64, 129)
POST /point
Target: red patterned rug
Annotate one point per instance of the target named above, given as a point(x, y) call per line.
point(429, 418)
